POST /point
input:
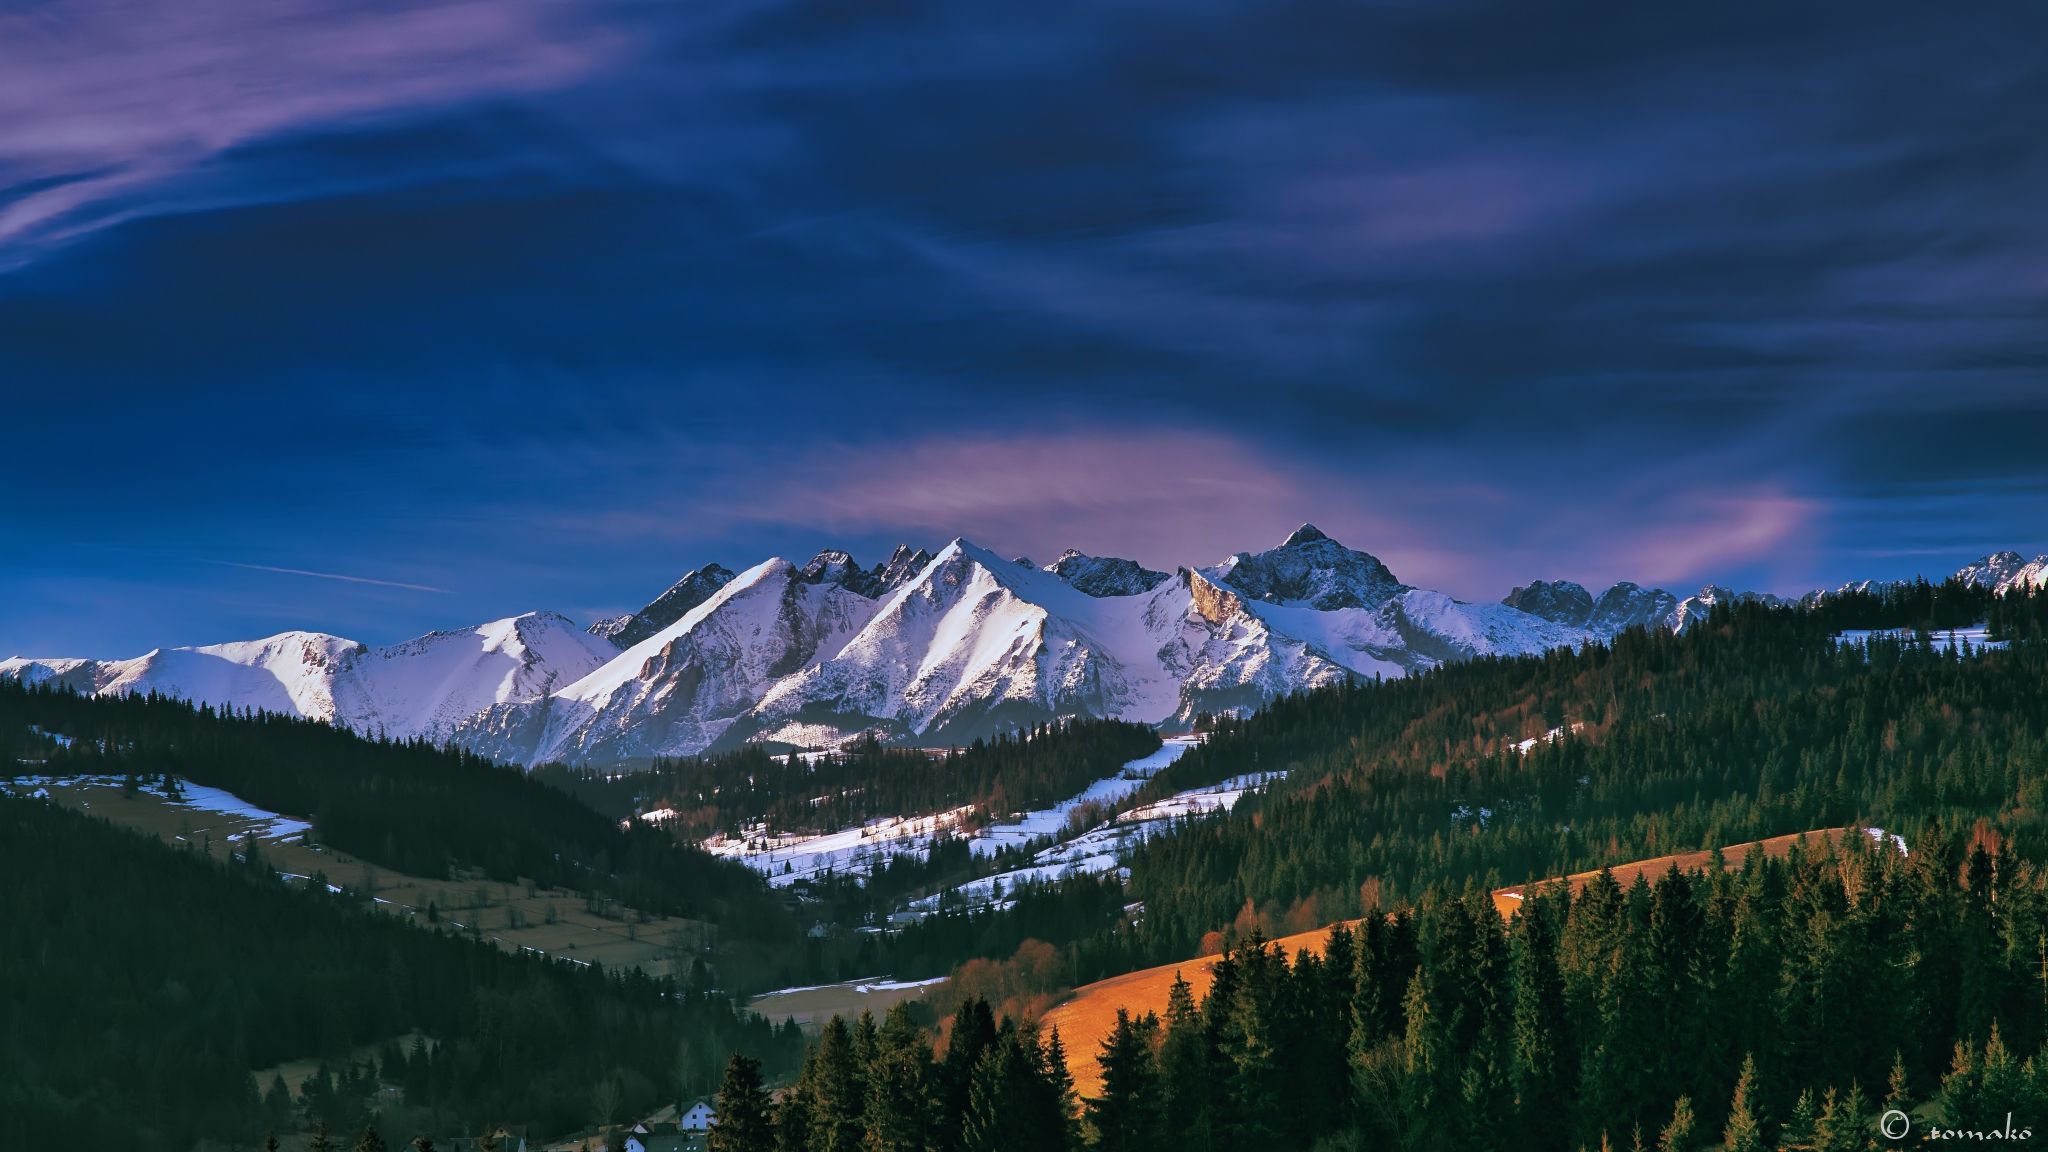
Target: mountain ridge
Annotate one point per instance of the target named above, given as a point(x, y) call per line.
point(919, 648)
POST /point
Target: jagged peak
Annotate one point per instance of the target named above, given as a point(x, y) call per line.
point(1306, 534)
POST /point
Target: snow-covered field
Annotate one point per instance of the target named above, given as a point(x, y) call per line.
point(1976, 638)
point(1102, 848)
point(784, 860)
point(1052, 822)
point(267, 825)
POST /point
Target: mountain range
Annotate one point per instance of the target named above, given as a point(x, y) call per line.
point(920, 648)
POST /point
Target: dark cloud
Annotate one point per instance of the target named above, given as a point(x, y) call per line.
point(540, 301)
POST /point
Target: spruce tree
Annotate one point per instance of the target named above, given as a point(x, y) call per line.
point(900, 1095)
point(1184, 1072)
point(322, 1141)
point(996, 1094)
point(744, 1121)
point(1129, 1115)
point(973, 1030)
point(1061, 1097)
point(370, 1140)
point(838, 1102)
point(1744, 1131)
point(1678, 1135)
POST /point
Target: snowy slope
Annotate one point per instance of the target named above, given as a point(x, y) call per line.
point(292, 673)
point(1995, 571)
point(423, 687)
point(678, 690)
point(933, 649)
point(693, 589)
point(1104, 575)
point(973, 641)
point(430, 686)
point(2003, 570)
point(1312, 570)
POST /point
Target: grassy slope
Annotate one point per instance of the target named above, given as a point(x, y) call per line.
point(1086, 1018)
point(578, 934)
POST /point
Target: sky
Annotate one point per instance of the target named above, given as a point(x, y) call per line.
point(374, 318)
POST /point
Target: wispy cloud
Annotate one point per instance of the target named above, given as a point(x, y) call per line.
point(343, 577)
point(107, 109)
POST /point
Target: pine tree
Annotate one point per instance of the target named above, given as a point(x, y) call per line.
point(1539, 1062)
point(744, 1122)
point(996, 1094)
point(1845, 1122)
point(973, 1030)
point(1798, 1132)
point(1744, 1131)
point(1184, 1072)
point(900, 1097)
point(370, 1141)
point(423, 1144)
point(838, 1102)
point(321, 1142)
point(1678, 1135)
point(1128, 1116)
point(1064, 1101)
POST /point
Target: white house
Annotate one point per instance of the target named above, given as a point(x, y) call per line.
point(698, 1117)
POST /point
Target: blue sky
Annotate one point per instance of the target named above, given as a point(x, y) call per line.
point(498, 306)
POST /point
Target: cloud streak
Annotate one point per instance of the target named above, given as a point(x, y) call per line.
point(343, 577)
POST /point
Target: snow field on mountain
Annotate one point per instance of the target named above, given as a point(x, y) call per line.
point(847, 851)
point(1102, 848)
point(1020, 831)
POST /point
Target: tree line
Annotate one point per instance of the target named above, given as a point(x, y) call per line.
point(407, 806)
point(1788, 1003)
point(1755, 723)
point(140, 984)
point(1035, 767)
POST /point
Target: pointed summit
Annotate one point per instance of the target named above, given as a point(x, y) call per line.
point(1104, 575)
point(1311, 570)
point(693, 589)
point(1306, 534)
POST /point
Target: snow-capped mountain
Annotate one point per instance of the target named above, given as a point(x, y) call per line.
point(2002, 570)
point(421, 688)
point(920, 647)
point(1312, 570)
point(1104, 575)
point(677, 691)
point(693, 589)
point(1995, 571)
point(1623, 606)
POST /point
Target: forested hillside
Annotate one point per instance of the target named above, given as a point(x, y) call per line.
point(408, 806)
point(1785, 1005)
point(140, 984)
point(1035, 768)
point(1757, 723)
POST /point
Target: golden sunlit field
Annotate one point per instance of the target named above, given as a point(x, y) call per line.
point(1086, 1018)
point(1506, 900)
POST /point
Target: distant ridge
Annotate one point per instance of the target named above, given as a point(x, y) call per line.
point(921, 648)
